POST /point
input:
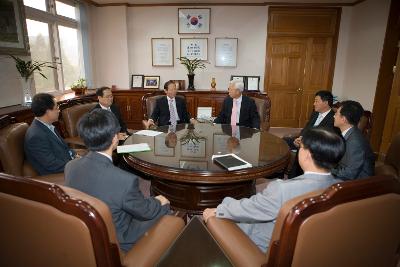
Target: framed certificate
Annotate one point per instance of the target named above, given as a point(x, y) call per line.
point(226, 52)
point(162, 51)
point(253, 83)
point(137, 81)
point(193, 48)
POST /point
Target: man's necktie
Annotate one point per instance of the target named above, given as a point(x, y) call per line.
point(319, 119)
point(234, 113)
point(172, 114)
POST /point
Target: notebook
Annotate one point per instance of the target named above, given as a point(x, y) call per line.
point(231, 162)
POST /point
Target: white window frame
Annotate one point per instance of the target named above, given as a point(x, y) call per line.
point(54, 20)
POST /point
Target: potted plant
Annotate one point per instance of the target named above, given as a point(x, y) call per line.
point(191, 65)
point(26, 69)
point(79, 87)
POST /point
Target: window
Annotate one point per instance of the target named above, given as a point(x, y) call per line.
point(54, 36)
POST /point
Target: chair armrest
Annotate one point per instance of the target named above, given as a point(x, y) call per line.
point(56, 178)
point(76, 140)
point(386, 170)
point(235, 243)
point(153, 244)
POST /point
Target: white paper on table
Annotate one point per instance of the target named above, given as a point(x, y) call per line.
point(133, 148)
point(148, 132)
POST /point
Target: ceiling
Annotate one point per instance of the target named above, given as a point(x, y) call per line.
point(149, 2)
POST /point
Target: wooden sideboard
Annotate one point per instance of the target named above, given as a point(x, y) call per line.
point(130, 103)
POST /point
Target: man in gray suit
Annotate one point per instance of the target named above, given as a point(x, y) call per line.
point(320, 151)
point(95, 174)
point(359, 160)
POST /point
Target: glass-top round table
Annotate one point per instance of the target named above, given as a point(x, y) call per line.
point(181, 168)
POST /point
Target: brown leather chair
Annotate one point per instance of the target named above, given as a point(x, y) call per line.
point(149, 104)
point(12, 155)
point(391, 164)
point(353, 223)
point(69, 119)
point(263, 103)
point(47, 225)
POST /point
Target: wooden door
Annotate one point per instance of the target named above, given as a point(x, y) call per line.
point(300, 60)
point(284, 79)
point(392, 122)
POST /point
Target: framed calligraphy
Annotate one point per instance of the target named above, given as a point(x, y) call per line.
point(193, 48)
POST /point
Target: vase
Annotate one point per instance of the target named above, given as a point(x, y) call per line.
point(213, 84)
point(191, 82)
point(26, 91)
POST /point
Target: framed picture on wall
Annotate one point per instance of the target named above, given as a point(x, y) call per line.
point(162, 51)
point(226, 52)
point(137, 81)
point(151, 82)
point(13, 33)
point(194, 20)
point(253, 83)
point(193, 48)
point(180, 84)
point(239, 78)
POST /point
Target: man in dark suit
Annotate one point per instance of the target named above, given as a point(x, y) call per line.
point(95, 174)
point(169, 109)
point(238, 109)
point(358, 160)
point(44, 148)
point(322, 116)
point(105, 97)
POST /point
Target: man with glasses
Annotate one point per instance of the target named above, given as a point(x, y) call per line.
point(44, 148)
point(105, 97)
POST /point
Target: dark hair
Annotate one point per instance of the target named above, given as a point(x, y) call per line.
point(325, 96)
point(352, 111)
point(167, 84)
point(98, 128)
point(41, 103)
point(100, 91)
point(326, 147)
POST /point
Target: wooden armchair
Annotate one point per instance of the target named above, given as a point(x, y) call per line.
point(354, 223)
point(12, 155)
point(47, 225)
point(149, 104)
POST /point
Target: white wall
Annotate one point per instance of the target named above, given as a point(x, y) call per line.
point(10, 85)
point(109, 46)
point(364, 48)
point(249, 24)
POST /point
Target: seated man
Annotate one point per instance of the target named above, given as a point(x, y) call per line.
point(44, 148)
point(96, 175)
point(320, 151)
point(105, 97)
point(238, 109)
point(359, 160)
point(169, 109)
point(322, 116)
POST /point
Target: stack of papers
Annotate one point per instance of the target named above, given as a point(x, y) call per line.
point(231, 162)
point(133, 148)
point(148, 132)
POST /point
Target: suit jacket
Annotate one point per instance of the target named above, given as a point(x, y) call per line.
point(358, 160)
point(132, 213)
point(327, 122)
point(46, 152)
point(256, 215)
point(115, 109)
point(161, 111)
point(248, 113)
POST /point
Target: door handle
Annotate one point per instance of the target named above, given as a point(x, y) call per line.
point(299, 89)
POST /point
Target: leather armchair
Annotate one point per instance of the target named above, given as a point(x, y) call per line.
point(353, 223)
point(69, 119)
point(391, 164)
point(12, 155)
point(263, 104)
point(69, 228)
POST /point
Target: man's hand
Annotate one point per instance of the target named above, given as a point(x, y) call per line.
point(297, 141)
point(122, 136)
point(162, 199)
point(207, 213)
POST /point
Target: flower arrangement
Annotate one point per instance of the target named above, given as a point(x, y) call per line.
point(191, 136)
point(191, 64)
point(79, 87)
